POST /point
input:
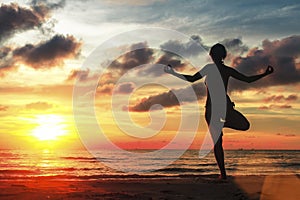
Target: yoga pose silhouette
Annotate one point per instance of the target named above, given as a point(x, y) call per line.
point(234, 119)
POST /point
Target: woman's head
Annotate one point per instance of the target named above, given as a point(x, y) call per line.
point(218, 53)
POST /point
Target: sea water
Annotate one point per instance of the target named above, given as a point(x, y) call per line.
point(80, 164)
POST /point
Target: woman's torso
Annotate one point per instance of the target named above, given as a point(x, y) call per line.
point(225, 74)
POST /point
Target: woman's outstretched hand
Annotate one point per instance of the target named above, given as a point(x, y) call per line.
point(168, 69)
point(269, 70)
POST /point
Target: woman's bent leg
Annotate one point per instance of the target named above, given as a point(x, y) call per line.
point(237, 121)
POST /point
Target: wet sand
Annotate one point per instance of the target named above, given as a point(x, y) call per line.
point(203, 187)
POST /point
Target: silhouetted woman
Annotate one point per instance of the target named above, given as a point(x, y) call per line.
point(234, 119)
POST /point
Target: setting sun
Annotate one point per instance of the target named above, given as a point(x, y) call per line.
point(50, 127)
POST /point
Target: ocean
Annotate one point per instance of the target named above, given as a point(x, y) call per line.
point(76, 165)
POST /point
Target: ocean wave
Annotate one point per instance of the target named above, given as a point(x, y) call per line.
point(179, 170)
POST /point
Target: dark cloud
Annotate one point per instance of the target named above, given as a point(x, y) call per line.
point(50, 53)
point(156, 69)
point(125, 88)
point(4, 51)
point(281, 54)
point(166, 99)
point(138, 54)
point(234, 46)
point(38, 106)
point(14, 18)
point(169, 99)
point(173, 52)
point(174, 60)
point(49, 4)
point(44, 55)
point(6, 63)
point(191, 48)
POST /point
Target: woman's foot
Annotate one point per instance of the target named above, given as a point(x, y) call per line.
point(222, 177)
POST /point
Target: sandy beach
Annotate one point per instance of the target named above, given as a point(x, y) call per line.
point(204, 187)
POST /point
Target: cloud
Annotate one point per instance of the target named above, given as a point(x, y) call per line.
point(81, 75)
point(49, 4)
point(289, 135)
point(105, 89)
point(125, 88)
point(44, 55)
point(139, 53)
point(4, 51)
point(275, 106)
point(49, 53)
point(292, 97)
point(280, 98)
point(3, 108)
point(38, 106)
point(132, 2)
point(154, 60)
point(286, 135)
point(191, 48)
point(214, 18)
point(6, 63)
point(281, 54)
point(14, 18)
point(275, 98)
point(169, 99)
point(234, 46)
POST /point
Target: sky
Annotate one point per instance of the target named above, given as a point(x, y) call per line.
point(45, 46)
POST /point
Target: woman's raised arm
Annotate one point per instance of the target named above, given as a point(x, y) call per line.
point(249, 79)
point(168, 69)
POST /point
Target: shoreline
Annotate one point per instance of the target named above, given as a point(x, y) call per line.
point(203, 187)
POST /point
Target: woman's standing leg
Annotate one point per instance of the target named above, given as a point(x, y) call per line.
point(219, 155)
point(218, 146)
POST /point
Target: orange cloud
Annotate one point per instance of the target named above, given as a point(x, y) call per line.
point(275, 106)
point(278, 98)
point(39, 106)
point(3, 108)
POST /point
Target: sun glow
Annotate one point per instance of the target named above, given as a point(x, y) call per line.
point(50, 127)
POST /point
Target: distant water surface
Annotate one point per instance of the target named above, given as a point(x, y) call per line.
point(17, 164)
